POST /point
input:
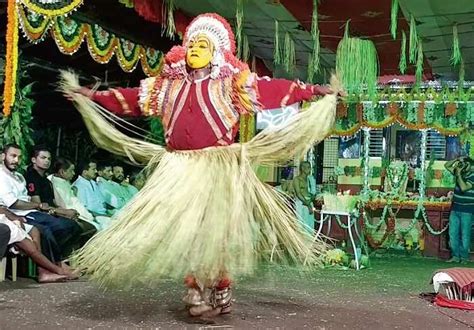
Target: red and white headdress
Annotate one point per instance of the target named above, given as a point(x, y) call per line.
point(218, 30)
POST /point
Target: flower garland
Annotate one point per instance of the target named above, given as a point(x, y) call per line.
point(406, 114)
point(396, 180)
point(69, 34)
point(366, 159)
point(52, 7)
point(11, 60)
point(100, 43)
point(34, 26)
point(128, 54)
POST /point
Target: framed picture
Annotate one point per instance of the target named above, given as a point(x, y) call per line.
point(350, 146)
point(454, 148)
point(407, 147)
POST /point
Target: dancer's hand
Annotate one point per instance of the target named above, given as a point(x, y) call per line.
point(336, 86)
point(87, 92)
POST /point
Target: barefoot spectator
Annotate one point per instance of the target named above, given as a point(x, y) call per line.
point(60, 233)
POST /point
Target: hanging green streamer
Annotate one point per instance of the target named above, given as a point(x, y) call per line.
point(419, 63)
point(413, 40)
point(456, 55)
point(276, 47)
point(245, 48)
point(170, 31)
point(314, 60)
point(289, 59)
point(313, 63)
point(462, 73)
point(239, 18)
point(357, 64)
point(402, 65)
point(394, 19)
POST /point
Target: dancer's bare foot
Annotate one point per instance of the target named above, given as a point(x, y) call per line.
point(199, 310)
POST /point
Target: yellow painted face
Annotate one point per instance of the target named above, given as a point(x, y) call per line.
point(199, 52)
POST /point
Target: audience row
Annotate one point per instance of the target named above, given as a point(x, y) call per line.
point(48, 215)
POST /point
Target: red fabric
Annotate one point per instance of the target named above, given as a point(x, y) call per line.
point(109, 100)
point(275, 93)
point(463, 277)
point(191, 129)
point(151, 10)
point(442, 301)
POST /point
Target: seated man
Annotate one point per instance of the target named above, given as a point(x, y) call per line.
point(137, 181)
point(4, 239)
point(88, 191)
point(47, 271)
point(59, 234)
point(65, 196)
point(41, 190)
point(128, 190)
point(111, 190)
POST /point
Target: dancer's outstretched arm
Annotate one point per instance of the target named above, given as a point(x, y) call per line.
point(277, 93)
point(121, 101)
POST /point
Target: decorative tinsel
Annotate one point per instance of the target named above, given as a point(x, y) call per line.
point(402, 65)
point(11, 58)
point(289, 56)
point(419, 63)
point(169, 7)
point(357, 63)
point(456, 55)
point(239, 19)
point(394, 19)
point(313, 63)
point(276, 46)
point(413, 40)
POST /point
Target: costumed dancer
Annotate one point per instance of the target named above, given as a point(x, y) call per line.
point(203, 214)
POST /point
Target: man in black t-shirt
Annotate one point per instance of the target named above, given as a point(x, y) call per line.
point(41, 189)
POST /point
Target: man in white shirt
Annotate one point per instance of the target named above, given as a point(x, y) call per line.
point(58, 234)
point(65, 196)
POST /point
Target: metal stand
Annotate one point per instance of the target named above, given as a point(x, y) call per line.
point(327, 216)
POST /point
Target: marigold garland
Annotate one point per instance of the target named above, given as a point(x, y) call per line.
point(68, 34)
point(394, 113)
point(52, 8)
point(34, 26)
point(128, 54)
point(102, 45)
point(11, 61)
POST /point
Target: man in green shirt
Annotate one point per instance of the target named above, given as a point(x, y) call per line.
point(462, 210)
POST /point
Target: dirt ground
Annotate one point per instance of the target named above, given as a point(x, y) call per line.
point(385, 296)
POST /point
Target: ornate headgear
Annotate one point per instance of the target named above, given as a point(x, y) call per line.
point(217, 29)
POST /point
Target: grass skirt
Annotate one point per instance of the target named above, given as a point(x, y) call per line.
point(202, 212)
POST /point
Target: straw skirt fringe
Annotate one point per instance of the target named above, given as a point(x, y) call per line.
point(202, 212)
